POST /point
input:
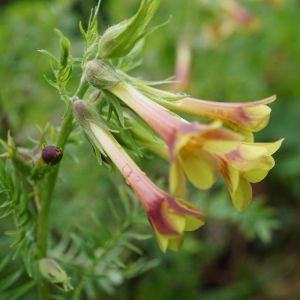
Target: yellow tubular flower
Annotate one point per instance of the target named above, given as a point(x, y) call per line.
point(169, 217)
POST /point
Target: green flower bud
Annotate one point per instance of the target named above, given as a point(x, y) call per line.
point(54, 273)
point(120, 39)
point(101, 74)
point(85, 114)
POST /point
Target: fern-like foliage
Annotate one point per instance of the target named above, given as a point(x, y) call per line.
point(15, 203)
point(103, 256)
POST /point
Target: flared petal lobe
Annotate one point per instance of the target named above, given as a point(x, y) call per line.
point(177, 216)
point(249, 163)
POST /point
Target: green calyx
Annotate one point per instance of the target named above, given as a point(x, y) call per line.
point(85, 114)
point(101, 74)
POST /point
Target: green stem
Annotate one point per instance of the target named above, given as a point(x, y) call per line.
point(43, 216)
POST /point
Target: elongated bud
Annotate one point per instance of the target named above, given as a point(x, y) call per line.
point(120, 39)
point(101, 74)
point(54, 273)
point(52, 155)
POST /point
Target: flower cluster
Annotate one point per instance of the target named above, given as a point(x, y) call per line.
point(196, 151)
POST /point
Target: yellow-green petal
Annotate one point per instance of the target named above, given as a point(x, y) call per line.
point(177, 221)
point(271, 147)
point(162, 240)
point(175, 243)
point(258, 174)
point(243, 195)
point(252, 151)
point(193, 223)
point(176, 179)
point(222, 146)
point(259, 116)
point(200, 168)
point(231, 176)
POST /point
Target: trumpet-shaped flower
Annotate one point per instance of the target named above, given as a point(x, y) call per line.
point(198, 151)
point(244, 117)
point(169, 217)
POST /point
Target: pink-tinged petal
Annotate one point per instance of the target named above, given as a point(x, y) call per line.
point(252, 116)
point(252, 156)
point(182, 216)
point(160, 215)
point(156, 116)
point(183, 65)
point(180, 206)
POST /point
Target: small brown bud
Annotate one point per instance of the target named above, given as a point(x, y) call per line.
point(52, 155)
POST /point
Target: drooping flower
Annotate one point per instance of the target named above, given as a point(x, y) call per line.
point(196, 150)
point(244, 117)
point(169, 217)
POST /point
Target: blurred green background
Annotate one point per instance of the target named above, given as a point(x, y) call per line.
point(234, 57)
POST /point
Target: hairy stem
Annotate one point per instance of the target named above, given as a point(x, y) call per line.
point(43, 217)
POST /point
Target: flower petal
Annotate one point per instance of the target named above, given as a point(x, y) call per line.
point(231, 176)
point(176, 179)
point(192, 222)
point(216, 146)
point(258, 174)
point(271, 147)
point(242, 195)
point(200, 168)
point(162, 240)
point(259, 117)
point(252, 151)
point(175, 243)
